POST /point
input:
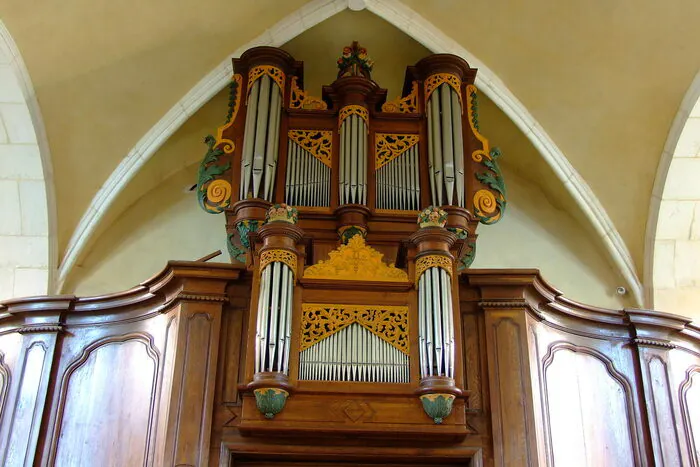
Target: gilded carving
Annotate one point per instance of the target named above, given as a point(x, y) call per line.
point(432, 261)
point(273, 72)
point(389, 146)
point(434, 81)
point(279, 256)
point(320, 320)
point(300, 99)
point(317, 142)
point(408, 104)
point(355, 261)
point(348, 110)
point(234, 105)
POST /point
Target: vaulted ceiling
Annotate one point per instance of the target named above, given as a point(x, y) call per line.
point(603, 79)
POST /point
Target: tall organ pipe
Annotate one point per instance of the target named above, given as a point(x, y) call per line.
point(445, 146)
point(353, 161)
point(436, 336)
point(273, 330)
point(261, 139)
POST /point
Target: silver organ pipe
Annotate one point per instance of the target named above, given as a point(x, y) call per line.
point(273, 330)
point(353, 160)
point(436, 336)
point(261, 139)
point(307, 181)
point(445, 146)
point(354, 354)
point(397, 182)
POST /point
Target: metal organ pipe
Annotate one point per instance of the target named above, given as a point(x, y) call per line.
point(445, 146)
point(436, 336)
point(273, 331)
point(261, 139)
point(307, 181)
point(353, 160)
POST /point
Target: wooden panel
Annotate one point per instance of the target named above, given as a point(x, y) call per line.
point(5, 375)
point(690, 406)
point(589, 409)
point(667, 451)
point(24, 417)
point(169, 353)
point(108, 393)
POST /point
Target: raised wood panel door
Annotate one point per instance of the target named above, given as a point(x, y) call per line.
point(589, 408)
point(690, 405)
point(109, 394)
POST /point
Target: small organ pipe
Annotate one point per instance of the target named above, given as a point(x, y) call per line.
point(353, 158)
point(274, 314)
point(446, 133)
point(429, 322)
point(437, 318)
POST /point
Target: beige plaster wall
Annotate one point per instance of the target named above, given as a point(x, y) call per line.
point(167, 224)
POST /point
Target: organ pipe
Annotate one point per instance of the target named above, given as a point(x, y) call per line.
point(445, 146)
point(307, 179)
point(436, 337)
point(261, 140)
point(353, 160)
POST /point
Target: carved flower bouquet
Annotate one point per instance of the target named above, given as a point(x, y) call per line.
point(432, 216)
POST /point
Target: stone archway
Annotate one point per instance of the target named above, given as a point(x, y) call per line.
point(27, 250)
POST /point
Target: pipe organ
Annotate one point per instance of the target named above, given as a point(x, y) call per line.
point(349, 327)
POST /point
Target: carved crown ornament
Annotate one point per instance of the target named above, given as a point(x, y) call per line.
point(353, 261)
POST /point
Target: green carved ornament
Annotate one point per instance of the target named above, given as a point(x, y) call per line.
point(437, 406)
point(270, 401)
point(492, 178)
point(209, 172)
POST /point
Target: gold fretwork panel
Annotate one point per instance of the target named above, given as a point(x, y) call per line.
point(433, 81)
point(229, 146)
point(348, 110)
point(479, 154)
point(318, 142)
point(432, 261)
point(279, 256)
point(273, 72)
point(408, 104)
point(389, 146)
point(300, 99)
point(355, 261)
point(321, 320)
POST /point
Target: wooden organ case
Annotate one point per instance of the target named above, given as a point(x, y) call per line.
point(348, 328)
point(307, 184)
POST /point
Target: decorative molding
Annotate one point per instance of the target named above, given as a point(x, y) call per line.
point(320, 320)
point(300, 99)
point(417, 27)
point(436, 80)
point(348, 110)
point(389, 146)
point(503, 304)
point(202, 298)
point(654, 343)
point(408, 104)
point(355, 261)
point(40, 328)
point(273, 72)
point(319, 143)
point(280, 256)
point(433, 261)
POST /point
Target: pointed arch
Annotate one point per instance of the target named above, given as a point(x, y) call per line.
point(411, 23)
point(28, 249)
point(672, 240)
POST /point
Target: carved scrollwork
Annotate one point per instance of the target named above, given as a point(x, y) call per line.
point(234, 103)
point(273, 72)
point(279, 256)
point(408, 104)
point(389, 146)
point(433, 261)
point(320, 320)
point(348, 110)
point(213, 193)
point(434, 81)
point(317, 142)
point(300, 99)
